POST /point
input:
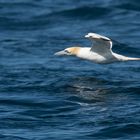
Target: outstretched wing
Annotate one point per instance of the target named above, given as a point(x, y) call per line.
point(101, 44)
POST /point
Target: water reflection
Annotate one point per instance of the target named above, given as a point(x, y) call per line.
point(90, 89)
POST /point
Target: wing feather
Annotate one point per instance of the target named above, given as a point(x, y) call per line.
point(101, 44)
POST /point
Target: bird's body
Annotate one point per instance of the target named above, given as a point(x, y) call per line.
point(100, 52)
point(86, 53)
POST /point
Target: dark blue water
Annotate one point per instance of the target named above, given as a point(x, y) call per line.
point(44, 97)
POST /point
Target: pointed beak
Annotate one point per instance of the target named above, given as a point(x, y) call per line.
point(61, 53)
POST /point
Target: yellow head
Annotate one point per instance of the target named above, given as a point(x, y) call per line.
point(69, 51)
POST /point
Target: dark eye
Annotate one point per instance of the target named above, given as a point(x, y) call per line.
point(67, 51)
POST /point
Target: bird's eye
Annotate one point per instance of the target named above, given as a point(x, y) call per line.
point(67, 51)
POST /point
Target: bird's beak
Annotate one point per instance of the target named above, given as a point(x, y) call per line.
point(61, 53)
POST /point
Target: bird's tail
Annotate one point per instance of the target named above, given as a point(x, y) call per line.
point(125, 58)
point(131, 59)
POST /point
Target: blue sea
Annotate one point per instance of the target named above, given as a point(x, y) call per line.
point(45, 97)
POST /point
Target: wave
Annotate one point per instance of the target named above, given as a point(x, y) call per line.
point(39, 21)
point(83, 13)
point(129, 5)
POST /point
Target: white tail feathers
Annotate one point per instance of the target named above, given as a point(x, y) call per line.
point(125, 58)
point(131, 59)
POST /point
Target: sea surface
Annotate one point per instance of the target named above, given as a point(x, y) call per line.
point(45, 97)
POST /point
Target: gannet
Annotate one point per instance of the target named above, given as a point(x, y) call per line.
point(100, 52)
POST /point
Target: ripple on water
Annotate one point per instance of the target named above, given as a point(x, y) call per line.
point(46, 97)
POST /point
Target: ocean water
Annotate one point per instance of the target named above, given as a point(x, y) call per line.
point(45, 97)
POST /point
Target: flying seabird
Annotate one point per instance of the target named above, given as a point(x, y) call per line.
point(100, 52)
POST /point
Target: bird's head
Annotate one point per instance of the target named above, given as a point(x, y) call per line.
point(69, 51)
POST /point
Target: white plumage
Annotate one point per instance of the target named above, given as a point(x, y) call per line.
point(100, 52)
